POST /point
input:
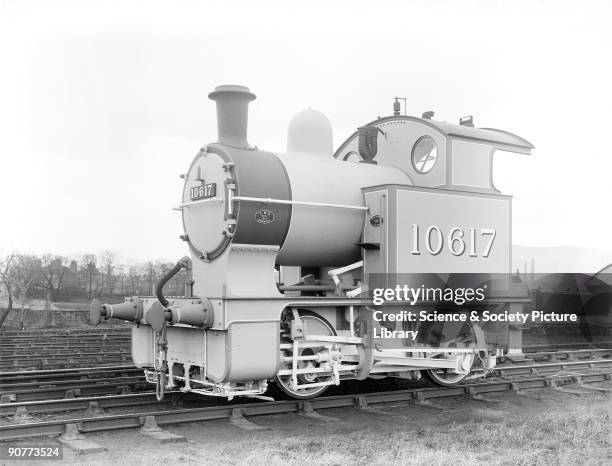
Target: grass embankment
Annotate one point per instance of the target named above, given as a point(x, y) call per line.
point(577, 435)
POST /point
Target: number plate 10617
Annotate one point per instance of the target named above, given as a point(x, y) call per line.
point(203, 191)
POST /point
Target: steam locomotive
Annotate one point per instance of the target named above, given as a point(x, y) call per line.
point(285, 250)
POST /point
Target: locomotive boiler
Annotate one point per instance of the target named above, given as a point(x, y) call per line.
point(286, 249)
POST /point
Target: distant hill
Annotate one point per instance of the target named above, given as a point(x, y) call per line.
point(560, 259)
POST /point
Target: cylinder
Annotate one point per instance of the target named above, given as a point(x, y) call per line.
point(199, 315)
point(232, 114)
point(130, 310)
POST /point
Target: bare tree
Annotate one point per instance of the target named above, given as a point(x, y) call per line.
point(88, 266)
point(108, 261)
point(6, 278)
point(133, 279)
point(53, 272)
point(120, 275)
point(151, 273)
point(27, 272)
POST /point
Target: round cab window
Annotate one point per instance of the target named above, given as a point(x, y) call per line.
point(424, 154)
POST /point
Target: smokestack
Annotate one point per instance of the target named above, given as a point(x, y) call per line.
point(232, 114)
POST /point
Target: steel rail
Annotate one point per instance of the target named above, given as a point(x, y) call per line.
point(64, 358)
point(75, 374)
point(63, 345)
point(93, 403)
point(90, 403)
point(74, 370)
point(64, 363)
point(65, 331)
point(81, 354)
point(66, 336)
point(57, 339)
point(510, 370)
point(61, 364)
point(570, 353)
point(69, 384)
point(50, 353)
point(577, 350)
point(572, 345)
point(63, 349)
point(38, 343)
point(66, 347)
point(131, 420)
point(86, 388)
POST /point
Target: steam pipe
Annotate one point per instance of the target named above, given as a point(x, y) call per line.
point(159, 289)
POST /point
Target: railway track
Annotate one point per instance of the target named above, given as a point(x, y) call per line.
point(174, 398)
point(28, 386)
point(90, 360)
point(91, 404)
point(64, 348)
point(23, 395)
point(422, 396)
point(569, 345)
point(68, 374)
point(72, 389)
point(80, 373)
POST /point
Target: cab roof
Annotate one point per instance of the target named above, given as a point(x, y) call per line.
point(503, 140)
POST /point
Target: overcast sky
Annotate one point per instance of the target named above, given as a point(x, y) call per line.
point(103, 104)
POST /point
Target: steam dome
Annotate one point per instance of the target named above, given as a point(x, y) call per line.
point(310, 132)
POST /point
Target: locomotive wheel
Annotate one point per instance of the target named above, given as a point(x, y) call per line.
point(314, 324)
point(456, 335)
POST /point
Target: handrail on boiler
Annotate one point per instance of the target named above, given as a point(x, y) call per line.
point(269, 200)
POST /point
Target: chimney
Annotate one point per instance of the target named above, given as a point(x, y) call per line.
point(232, 114)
